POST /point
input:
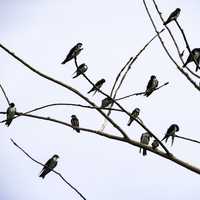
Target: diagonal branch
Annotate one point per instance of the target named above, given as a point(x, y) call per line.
point(189, 139)
point(115, 125)
point(6, 97)
point(166, 50)
point(59, 174)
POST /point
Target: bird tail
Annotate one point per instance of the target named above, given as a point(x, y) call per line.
point(147, 93)
point(144, 152)
point(8, 122)
point(130, 121)
point(75, 76)
point(42, 174)
point(77, 130)
point(90, 91)
point(66, 60)
point(165, 23)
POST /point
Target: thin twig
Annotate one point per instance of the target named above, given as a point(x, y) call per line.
point(6, 97)
point(59, 174)
point(166, 50)
point(187, 44)
point(125, 111)
point(189, 139)
point(140, 93)
point(173, 39)
point(68, 87)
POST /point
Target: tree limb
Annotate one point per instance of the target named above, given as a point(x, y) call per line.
point(59, 174)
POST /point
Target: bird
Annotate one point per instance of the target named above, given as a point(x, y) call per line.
point(80, 70)
point(155, 144)
point(73, 53)
point(49, 165)
point(135, 113)
point(11, 110)
point(194, 56)
point(75, 123)
point(171, 132)
point(173, 16)
point(151, 86)
point(106, 102)
point(145, 139)
point(97, 86)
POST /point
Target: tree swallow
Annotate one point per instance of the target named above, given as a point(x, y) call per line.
point(51, 164)
point(193, 57)
point(173, 16)
point(152, 85)
point(171, 131)
point(75, 123)
point(73, 53)
point(134, 115)
point(155, 144)
point(106, 102)
point(98, 85)
point(10, 113)
point(80, 70)
point(145, 139)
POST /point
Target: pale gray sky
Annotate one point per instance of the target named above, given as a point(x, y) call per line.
point(42, 32)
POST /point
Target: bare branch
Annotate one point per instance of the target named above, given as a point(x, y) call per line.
point(189, 139)
point(6, 97)
point(115, 125)
point(140, 93)
point(59, 174)
point(169, 55)
point(129, 141)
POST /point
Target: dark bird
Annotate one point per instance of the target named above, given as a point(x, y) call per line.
point(151, 86)
point(75, 123)
point(97, 86)
point(49, 165)
point(155, 144)
point(73, 53)
point(193, 57)
point(145, 139)
point(171, 132)
point(134, 115)
point(106, 102)
point(10, 113)
point(173, 16)
point(80, 70)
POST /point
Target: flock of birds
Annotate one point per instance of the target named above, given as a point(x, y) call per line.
point(194, 56)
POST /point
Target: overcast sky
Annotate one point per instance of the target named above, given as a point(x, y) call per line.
point(42, 32)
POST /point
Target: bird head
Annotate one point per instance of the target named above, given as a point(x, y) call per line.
point(176, 127)
point(153, 77)
point(12, 105)
point(178, 10)
point(73, 116)
point(103, 80)
point(137, 110)
point(55, 157)
point(79, 45)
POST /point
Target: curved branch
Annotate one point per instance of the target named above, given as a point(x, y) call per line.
point(66, 87)
point(126, 140)
point(59, 174)
point(169, 55)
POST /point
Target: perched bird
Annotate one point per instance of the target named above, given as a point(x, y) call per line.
point(151, 86)
point(173, 16)
point(106, 102)
point(80, 70)
point(193, 57)
point(97, 86)
point(49, 165)
point(155, 144)
point(134, 115)
point(171, 131)
point(75, 123)
point(10, 113)
point(145, 139)
point(73, 52)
